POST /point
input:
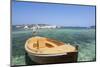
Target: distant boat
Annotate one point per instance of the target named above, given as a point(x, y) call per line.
point(34, 29)
point(45, 51)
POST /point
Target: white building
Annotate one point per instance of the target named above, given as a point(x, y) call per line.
point(18, 26)
point(40, 27)
point(26, 27)
point(48, 27)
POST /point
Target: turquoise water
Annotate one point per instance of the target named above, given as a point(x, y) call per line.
point(84, 38)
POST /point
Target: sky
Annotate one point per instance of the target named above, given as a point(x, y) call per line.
point(53, 14)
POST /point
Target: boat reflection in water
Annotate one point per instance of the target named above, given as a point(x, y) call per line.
point(44, 50)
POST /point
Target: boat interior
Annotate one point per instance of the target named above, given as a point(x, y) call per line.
point(42, 45)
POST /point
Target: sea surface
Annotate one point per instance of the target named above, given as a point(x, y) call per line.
point(84, 38)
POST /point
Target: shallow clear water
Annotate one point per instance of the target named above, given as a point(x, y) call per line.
point(84, 38)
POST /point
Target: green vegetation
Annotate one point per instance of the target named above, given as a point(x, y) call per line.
point(84, 38)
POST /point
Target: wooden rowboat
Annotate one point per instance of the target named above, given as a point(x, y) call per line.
point(45, 50)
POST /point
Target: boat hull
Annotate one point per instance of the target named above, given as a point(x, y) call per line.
point(50, 59)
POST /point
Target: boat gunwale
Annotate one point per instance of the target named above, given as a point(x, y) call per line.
point(55, 54)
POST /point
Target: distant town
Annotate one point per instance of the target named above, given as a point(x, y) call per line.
point(46, 26)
